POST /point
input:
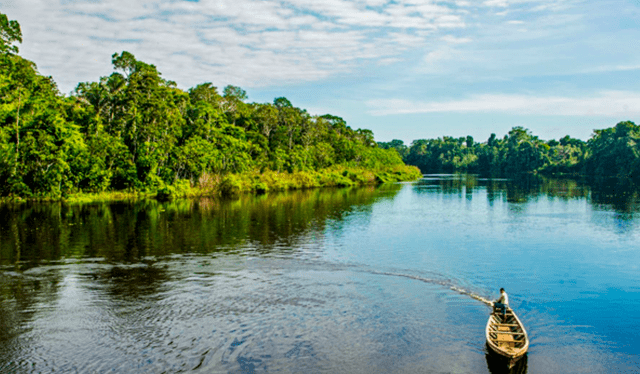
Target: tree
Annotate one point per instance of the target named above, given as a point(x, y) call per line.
point(396, 144)
point(206, 92)
point(142, 111)
point(469, 141)
point(282, 102)
point(366, 137)
point(37, 141)
point(135, 130)
point(233, 99)
point(267, 118)
point(10, 33)
point(615, 151)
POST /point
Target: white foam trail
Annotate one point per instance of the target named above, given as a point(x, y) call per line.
point(440, 282)
point(472, 295)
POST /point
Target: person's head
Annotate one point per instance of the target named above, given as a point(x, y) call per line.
point(502, 290)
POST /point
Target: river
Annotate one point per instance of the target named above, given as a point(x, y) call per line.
point(366, 280)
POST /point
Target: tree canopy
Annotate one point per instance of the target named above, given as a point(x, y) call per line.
point(135, 130)
point(611, 152)
point(10, 33)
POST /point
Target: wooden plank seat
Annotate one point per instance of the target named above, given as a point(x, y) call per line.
point(504, 336)
point(505, 341)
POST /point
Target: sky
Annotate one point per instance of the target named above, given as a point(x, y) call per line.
point(405, 69)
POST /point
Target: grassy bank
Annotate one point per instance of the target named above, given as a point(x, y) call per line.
point(234, 184)
point(255, 182)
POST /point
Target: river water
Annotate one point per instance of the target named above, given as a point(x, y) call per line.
point(371, 280)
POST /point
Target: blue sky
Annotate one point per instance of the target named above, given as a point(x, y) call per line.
point(406, 69)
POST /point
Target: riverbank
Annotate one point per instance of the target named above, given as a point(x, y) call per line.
point(245, 183)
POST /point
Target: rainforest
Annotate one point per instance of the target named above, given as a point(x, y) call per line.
point(136, 133)
point(612, 152)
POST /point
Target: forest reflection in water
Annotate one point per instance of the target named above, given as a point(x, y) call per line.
point(131, 231)
point(358, 280)
point(618, 194)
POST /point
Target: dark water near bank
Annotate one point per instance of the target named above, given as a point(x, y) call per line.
point(370, 280)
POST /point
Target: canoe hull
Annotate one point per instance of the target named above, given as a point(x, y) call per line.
point(499, 364)
point(507, 337)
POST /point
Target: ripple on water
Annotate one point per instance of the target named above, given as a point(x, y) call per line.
point(259, 315)
point(167, 317)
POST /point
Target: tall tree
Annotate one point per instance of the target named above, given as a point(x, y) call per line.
point(10, 33)
point(615, 151)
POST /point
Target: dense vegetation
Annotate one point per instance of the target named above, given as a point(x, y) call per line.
point(612, 152)
point(136, 131)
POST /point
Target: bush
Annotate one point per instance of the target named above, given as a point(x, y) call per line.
point(305, 179)
point(182, 188)
point(260, 187)
point(233, 184)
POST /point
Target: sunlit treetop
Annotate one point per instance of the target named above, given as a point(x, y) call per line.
point(9, 33)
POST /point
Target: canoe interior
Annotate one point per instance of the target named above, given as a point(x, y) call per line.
point(506, 335)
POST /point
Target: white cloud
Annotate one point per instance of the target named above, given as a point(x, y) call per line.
point(438, 55)
point(265, 42)
point(606, 103)
point(252, 41)
point(388, 61)
point(453, 40)
point(496, 3)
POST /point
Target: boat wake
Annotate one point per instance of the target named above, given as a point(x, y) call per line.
point(436, 278)
point(441, 282)
point(472, 295)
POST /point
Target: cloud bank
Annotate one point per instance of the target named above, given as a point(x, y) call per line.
point(257, 43)
point(606, 103)
point(247, 42)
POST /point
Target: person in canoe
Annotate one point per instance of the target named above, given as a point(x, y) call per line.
point(502, 303)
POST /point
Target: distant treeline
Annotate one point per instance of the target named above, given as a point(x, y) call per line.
point(134, 130)
point(612, 152)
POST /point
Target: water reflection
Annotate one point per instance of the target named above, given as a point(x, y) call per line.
point(516, 190)
point(500, 365)
point(126, 232)
point(21, 299)
point(129, 282)
point(349, 280)
point(619, 195)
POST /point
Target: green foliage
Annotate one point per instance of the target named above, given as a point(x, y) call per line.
point(445, 154)
point(234, 184)
point(396, 144)
point(615, 151)
point(397, 173)
point(10, 33)
point(517, 152)
point(135, 131)
point(38, 143)
point(181, 188)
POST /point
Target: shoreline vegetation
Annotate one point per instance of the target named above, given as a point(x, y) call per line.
point(236, 184)
point(136, 135)
point(609, 153)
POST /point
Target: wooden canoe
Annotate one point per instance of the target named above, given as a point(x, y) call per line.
point(507, 336)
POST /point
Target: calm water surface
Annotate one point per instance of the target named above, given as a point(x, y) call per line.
point(370, 280)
